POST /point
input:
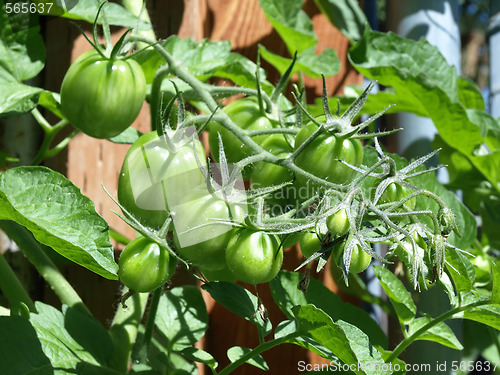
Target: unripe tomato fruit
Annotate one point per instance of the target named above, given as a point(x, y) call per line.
point(150, 172)
point(247, 115)
point(253, 256)
point(144, 265)
point(309, 244)
point(360, 260)
point(268, 174)
point(338, 223)
point(396, 193)
point(198, 237)
point(102, 97)
point(320, 158)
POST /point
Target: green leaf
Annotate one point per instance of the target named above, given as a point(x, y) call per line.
point(73, 340)
point(286, 295)
point(290, 326)
point(17, 98)
point(345, 15)
point(16, 333)
point(241, 71)
point(418, 71)
point(439, 333)
point(291, 23)
point(461, 270)
point(236, 352)
point(495, 293)
point(22, 51)
point(397, 293)
point(203, 59)
point(469, 94)
point(116, 15)
point(327, 63)
point(285, 292)
point(487, 314)
point(59, 216)
point(22, 57)
point(52, 102)
point(344, 340)
point(198, 355)
point(182, 316)
point(239, 301)
point(490, 214)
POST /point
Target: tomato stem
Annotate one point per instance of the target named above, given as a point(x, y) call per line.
point(143, 348)
point(45, 267)
point(12, 288)
point(449, 314)
point(124, 329)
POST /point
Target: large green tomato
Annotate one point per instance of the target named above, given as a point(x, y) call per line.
point(254, 257)
point(320, 159)
point(152, 177)
point(144, 265)
point(102, 97)
point(198, 236)
point(247, 115)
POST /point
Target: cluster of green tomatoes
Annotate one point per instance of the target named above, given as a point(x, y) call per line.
point(172, 170)
point(166, 185)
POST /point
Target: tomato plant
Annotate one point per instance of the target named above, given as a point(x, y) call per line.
point(152, 176)
point(254, 257)
point(224, 232)
point(102, 97)
point(144, 265)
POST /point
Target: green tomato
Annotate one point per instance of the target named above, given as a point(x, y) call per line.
point(395, 193)
point(360, 260)
point(290, 239)
point(268, 174)
point(152, 177)
point(102, 97)
point(254, 257)
point(320, 159)
point(309, 244)
point(247, 115)
point(144, 265)
point(198, 236)
point(338, 223)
